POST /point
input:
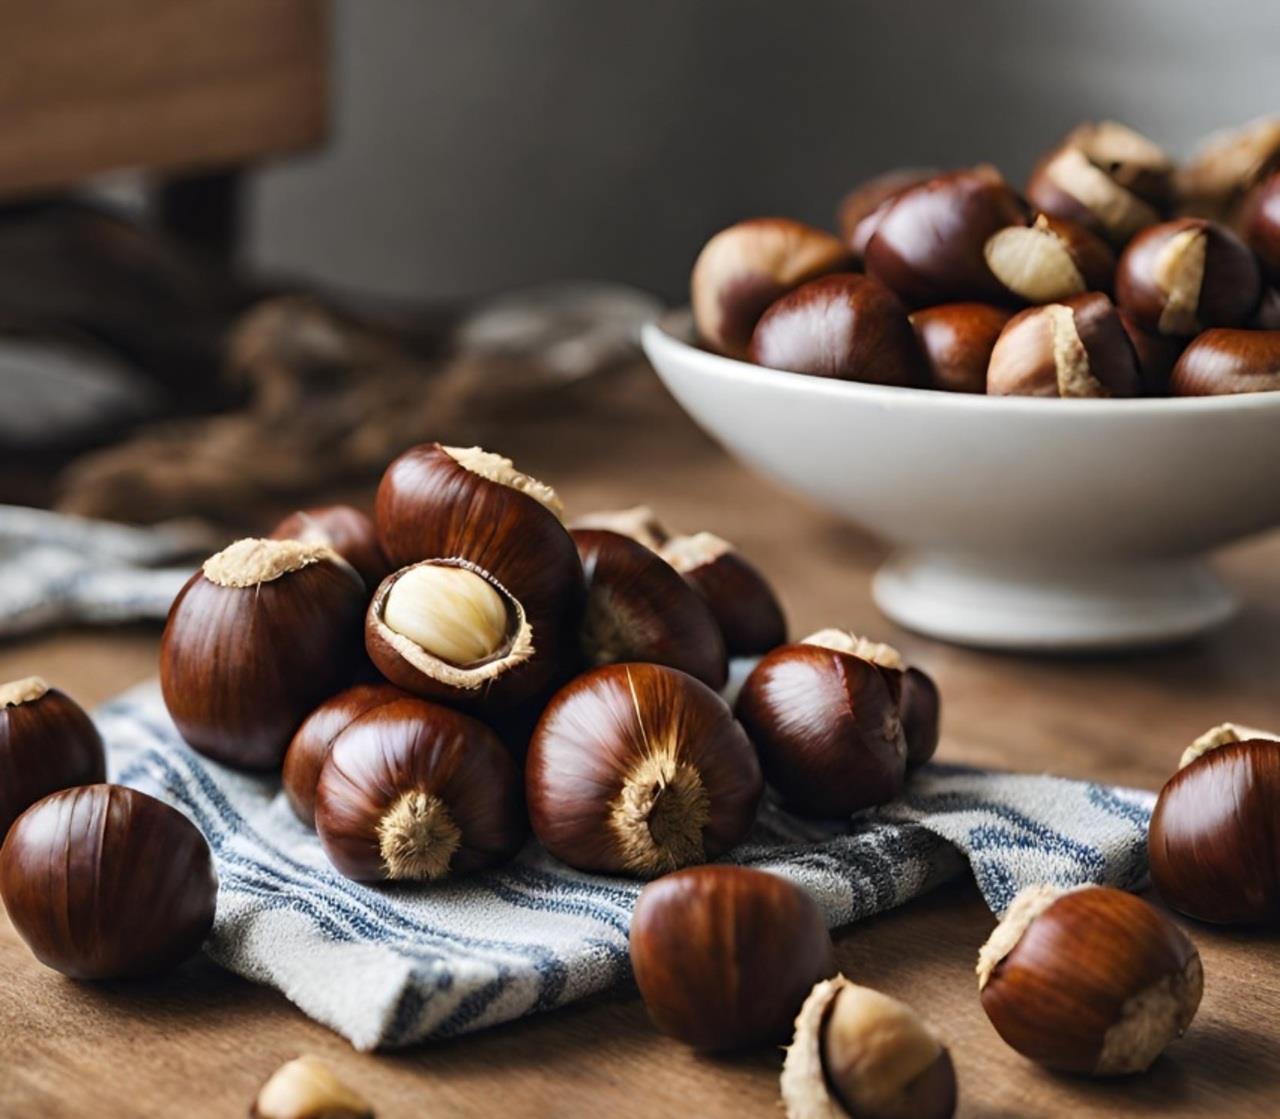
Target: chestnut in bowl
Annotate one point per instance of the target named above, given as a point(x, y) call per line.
point(862, 208)
point(1049, 260)
point(956, 340)
point(1218, 177)
point(1228, 362)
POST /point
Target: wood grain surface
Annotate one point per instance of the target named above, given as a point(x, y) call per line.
point(199, 1043)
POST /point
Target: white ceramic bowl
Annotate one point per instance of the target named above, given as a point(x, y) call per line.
point(1016, 522)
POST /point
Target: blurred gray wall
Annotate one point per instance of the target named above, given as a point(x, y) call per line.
point(481, 144)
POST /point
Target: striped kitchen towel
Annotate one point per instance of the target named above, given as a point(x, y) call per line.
point(388, 966)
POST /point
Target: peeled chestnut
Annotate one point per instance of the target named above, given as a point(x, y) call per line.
point(639, 522)
point(1090, 980)
point(742, 602)
point(744, 268)
point(1213, 842)
point(1261, 224)
point(639, 769)
point(1220, 362)
point(725, 955)
point(1219, 175)
point(346, 530)
point(1156, 355)
point(928, 247)
point(640, 609)
point(1077, 348)
point(415, 791)
point(104, 882)
point(862, 208)
point(47, 743)
point(956, 340)
point(862, 1054)
point(259, 636)
point(844, 326)
point(1049, 260)
point(824, 716)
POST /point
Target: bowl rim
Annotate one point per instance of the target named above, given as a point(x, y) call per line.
point(673, 331)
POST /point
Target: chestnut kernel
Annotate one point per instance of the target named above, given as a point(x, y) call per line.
point(105, 882)
point(725, 955)
point(47, 743)
point(862, 208)
point(742, 602)
point(346, 530)
point(1049, 260)
point(744, 268)
point(1090, 980)
point(1220, 362)
point(862, 1054)
point(956, 340)
point(257, 637)
point(1214, 181)
point(1213, 843)
point(639, 769)
point(306, 1088)
point(639, 522)
point(412, 791)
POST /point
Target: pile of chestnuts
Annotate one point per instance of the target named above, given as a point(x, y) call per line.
point(1116, 273)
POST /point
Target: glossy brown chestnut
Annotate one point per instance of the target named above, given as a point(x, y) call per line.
point(639, 522)
point(1077, 348)
point(640, 769)
point(956, 340)
point(313, 740)
point(844, 326)
point(1218, 176)
point(47, 743)
point(928, 245)
point(258, 637)
point(862, 208)
point(640, 609)
point(105, 882)
point(921, 706)
point(741, 600)
point(1220, 362)
point(824, 716)
point(1090, 980)
point(1261, 224)
point(412, 791)
point(1184, 276)
point(1213, 841)
point(725, 955)
point(862, 1054)
point(1156, 355)
point(1049, 260)
point(744, 268)
point(346, 530)
point(1266, 315)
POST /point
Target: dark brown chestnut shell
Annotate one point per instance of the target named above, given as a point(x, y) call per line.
point(347, 530)
point(1222, 362)
point(956, 340)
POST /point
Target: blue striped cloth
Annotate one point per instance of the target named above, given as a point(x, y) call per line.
point(389, 966)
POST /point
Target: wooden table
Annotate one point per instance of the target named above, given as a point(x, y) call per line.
point(200, 1042)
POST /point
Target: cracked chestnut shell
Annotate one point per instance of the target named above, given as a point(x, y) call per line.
point(105, 882)
point(1221, 362)
point(346, 530)
point(47, 743)
point(639, 769)
point(1050, 259)
point(725, 955)
point(412, 791)
point(956, 340)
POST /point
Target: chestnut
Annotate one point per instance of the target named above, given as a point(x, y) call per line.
point(346, 530)
point(47, 743)
point(306, 1088)
point(1077, 348)
point(956, 340)
point(824, 716)
point(639, 769)
point(1220, 173)
point(1156, 355)
point(105, 882)
point(862, 208)
point(1089, 980)
point(415, 791)
point(1260, 225)
point(862, 1054)
point(640, 609)
point(1221, 362)
point(1184, 276)
point(844, 326)
point(313, 740)
point(725, 955)
point(744, 268)
point(1049, 260)
point(742, 602)
point(921, 708)
point(928, 247)
point(639, 522)
point(1213, 842)
point(1266, 315)
point(260, 635)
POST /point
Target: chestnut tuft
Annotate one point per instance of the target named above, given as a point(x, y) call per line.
point(1219, 175)
point(862, 208)
point(306, 1088)
point(257, 637)
point(1090, 980)
point(862, 1054)
point(741, 600)
point(725, 955)
point(1221, 362)
point(105, 882)
point(1050, 259)
point(744, 268)
point(47, 743)
point(346, 530)
point(640, 769)
point(956, 340)
point(639, 522)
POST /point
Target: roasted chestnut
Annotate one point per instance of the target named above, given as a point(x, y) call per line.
point(258, 637)
point(346, 530)
point(415, 791)
point(725, 955)
point(1260, 224)
point(639, 769)
point(862, 208)
point(1220, 362)
point(921, 708)
point(104, 882)
point(1218, 176)
point(306, 1088)
point(639, 522)
point(1049, 260)
point(956, 340)
point(47, 743)
point(1156, 355)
